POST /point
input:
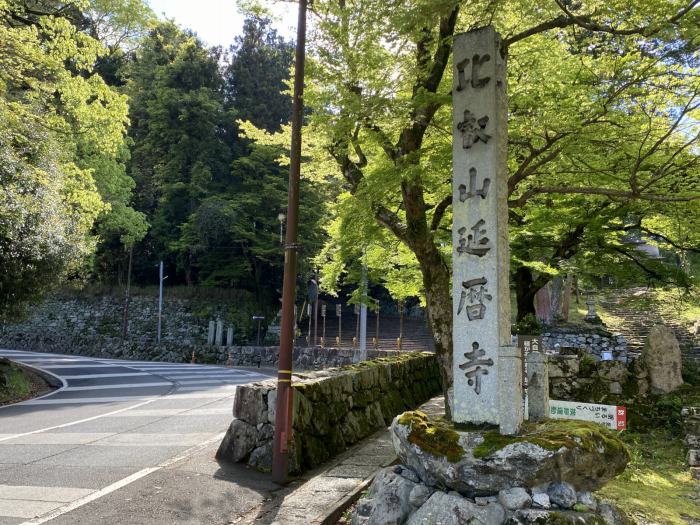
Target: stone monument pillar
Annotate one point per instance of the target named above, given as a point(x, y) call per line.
point(218, 340)
point(212, 331)
point(481, 297)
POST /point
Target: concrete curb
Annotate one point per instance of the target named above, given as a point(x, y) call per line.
point(52, 380)
point(333, 513)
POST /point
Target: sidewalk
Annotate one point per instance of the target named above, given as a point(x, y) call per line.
point(320, 496)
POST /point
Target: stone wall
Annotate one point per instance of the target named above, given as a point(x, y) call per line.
point(91, 326)
point(691, 425)
point(333, 409)
point(594, 340)
point(582, 378)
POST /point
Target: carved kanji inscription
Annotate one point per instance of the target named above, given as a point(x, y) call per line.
point(473, 129)
point(474, 291)
point(476, 366)
point(476, 81)
point(473, 191)
point(476, 243)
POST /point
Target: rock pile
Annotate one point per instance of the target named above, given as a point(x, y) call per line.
point(447, 476)
point(577, 377)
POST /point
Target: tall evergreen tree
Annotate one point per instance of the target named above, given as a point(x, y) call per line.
point(255, 79)
point(180, 154)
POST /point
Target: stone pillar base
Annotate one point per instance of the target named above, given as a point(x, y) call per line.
point(510, 379)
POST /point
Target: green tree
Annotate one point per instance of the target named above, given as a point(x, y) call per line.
point(52, 106)
point(595, 90)
point(255, 80)
point(181, 151)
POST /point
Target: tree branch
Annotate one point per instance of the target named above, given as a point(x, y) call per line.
point(520, 201)
point(669, 241)
point(587, 22)
point(439, 213)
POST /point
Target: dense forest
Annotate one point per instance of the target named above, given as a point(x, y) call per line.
point(121, 148)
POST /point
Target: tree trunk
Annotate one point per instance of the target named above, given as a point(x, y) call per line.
point(543, 305)
point(438, 298)
point(557, 291)
point(524, 293)
point(566, 299)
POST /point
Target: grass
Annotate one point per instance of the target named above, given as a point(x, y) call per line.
point(14, 383)
point(657, 486)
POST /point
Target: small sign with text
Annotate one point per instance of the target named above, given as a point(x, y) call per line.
point(611, 416)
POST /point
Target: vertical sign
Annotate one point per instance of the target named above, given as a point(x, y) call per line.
point(527, 344)
point(480, 258)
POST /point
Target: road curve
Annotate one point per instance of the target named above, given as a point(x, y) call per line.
point(112, 422)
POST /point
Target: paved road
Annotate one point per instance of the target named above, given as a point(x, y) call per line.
point(111, 424)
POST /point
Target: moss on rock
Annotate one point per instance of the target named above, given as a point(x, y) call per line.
point(557, 433)
point(435, 436)
point(441, 438)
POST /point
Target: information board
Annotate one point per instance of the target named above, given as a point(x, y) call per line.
point(613, 417)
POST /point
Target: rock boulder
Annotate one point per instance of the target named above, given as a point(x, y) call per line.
point(662, 358)
point(482, 463)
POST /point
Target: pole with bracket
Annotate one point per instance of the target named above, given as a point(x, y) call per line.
point(284, 402)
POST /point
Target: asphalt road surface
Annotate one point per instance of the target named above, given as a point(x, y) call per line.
point(112, 423)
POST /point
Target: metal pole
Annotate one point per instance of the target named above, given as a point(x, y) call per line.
point(400, 323)
point(125, 319)
point(323, 314)
point(363, 314)
point(283, 414)
point(357, 326)
point(308, 311)
point(160, 300)
point(377, 339)
point(340, 327)
point(316, 322)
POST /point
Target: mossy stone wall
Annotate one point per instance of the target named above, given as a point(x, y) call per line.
point(582, 378)
point(333, 408)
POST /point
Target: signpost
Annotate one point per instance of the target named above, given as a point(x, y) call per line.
point(339, 315)
point(611, 416)
point(527, 344)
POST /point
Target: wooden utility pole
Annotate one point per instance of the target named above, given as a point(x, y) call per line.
point(283, 415)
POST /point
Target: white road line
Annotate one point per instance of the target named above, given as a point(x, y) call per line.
point(57, 359)
point(215, 371)
point(64, 425)
point(202, 382)
point(179, 412)
point(219, 388)
point(98, 376)
point(121, 385)
point(92, 365)
point(121, 483)
point(51, 393)
point(205, 378)
point(86, 400)
point(203, 395)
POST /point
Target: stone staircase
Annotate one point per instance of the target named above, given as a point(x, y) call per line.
point(634, 322)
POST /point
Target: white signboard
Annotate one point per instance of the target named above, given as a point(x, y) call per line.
point(613, 417)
